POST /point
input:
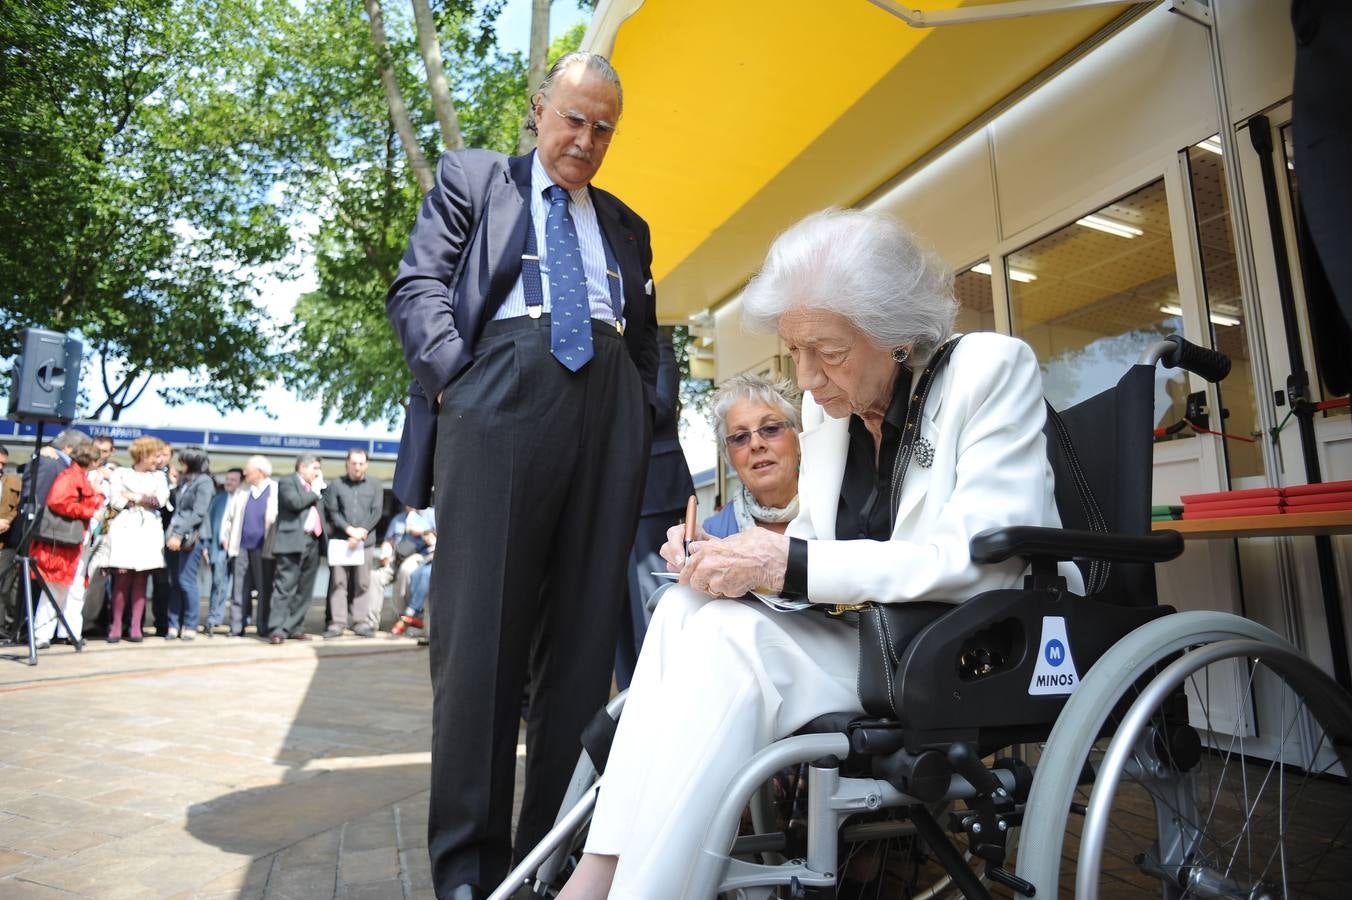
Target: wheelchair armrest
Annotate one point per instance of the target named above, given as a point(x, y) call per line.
point(999, 544)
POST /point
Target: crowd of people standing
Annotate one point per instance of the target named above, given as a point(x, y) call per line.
point(128, 548)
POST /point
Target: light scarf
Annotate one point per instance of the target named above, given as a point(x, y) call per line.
point(749, 513)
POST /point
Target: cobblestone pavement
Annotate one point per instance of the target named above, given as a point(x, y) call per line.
point(217, 768)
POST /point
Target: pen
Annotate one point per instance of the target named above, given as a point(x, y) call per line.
point(690, 507)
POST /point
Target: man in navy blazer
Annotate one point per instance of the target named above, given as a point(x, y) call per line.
point(526, 312)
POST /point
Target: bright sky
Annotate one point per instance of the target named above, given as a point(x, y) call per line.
point(303, 415)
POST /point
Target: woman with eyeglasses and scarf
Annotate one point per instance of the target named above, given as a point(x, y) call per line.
point(757, 422)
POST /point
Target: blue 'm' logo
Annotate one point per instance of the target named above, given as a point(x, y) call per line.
point(1055, 652)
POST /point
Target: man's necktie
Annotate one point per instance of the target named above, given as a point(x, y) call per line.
point(570, 336)
point(311, 526)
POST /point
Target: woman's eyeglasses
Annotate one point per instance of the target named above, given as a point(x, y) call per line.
point(770, 431)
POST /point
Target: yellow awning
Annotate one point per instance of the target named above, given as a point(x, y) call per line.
point(741, 116)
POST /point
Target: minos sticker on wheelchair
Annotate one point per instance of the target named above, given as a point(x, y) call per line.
point(1055, 671)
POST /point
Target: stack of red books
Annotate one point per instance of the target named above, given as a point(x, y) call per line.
point(1328, 497)
point(1223, 504)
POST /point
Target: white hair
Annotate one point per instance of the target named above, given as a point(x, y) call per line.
point(777, 394)
point(863, 265)
point(261, 463)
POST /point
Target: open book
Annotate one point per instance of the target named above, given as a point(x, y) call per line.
point(774, 601)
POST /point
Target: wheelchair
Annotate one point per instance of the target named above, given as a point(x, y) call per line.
point(1117, 738)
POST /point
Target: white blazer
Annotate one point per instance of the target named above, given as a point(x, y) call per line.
point(984, 419)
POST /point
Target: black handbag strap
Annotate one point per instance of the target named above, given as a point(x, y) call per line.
point(1096, 579)
point(910, 429)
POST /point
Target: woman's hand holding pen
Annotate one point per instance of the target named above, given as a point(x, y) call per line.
point(731, 566)
point(673, 551)
point(750, 560)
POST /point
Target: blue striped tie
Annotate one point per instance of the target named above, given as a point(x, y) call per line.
point(570, 336)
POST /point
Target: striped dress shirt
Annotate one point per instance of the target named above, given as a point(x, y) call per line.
point(589, 237)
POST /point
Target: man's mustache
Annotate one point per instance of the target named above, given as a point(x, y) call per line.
point(578, 153)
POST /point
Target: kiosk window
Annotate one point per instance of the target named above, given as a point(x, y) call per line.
point(975, 303)
point(1220, 283)
point(1091, 296)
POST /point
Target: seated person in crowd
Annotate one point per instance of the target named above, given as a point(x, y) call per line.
point(418, 583)
point(863, 309)
point(401, 553)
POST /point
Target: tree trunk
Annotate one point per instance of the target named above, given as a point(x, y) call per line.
point(429, 47)
point(398, 111)
point(539, 52)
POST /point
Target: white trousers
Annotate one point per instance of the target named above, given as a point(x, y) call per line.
point(717, 681)
point(45, 622)
point(381, 579)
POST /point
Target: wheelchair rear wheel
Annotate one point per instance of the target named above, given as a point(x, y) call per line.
point(1226, 778)
point(1193, 760)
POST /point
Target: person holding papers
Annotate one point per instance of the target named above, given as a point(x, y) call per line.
point(352, 506)
point(925, 441)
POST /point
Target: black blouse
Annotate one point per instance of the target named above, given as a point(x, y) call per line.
point(865, 506)
point(864, 510)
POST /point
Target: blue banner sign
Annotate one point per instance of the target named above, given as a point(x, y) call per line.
point(123, 434)
point(242, 441)
point(285, 442)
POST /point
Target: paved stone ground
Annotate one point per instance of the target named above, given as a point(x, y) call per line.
point(217, 768)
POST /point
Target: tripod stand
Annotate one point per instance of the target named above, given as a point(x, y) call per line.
point(30, 513)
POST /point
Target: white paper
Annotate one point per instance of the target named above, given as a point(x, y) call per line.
point(774, 601)
point(340, 554)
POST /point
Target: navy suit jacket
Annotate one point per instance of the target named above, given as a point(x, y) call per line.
point(669, 484)
point(463, 258)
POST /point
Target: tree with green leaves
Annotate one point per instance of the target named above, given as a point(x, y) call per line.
point(345, 351)
point(135, 208)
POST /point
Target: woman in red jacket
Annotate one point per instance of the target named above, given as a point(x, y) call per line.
point(72, 497)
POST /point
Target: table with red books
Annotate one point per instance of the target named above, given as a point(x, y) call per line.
point(1317, 510)
point(1304, 509)
point(1269, 525)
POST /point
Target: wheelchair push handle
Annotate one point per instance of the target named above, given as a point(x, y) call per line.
point(1175, 352)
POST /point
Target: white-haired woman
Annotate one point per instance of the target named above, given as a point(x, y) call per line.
point(246, 535)
point(864, 310)
point(757, 422)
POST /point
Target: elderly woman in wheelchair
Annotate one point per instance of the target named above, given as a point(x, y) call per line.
point(928, 440)
point(864, 311)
